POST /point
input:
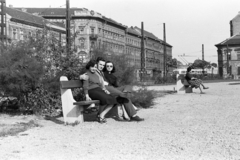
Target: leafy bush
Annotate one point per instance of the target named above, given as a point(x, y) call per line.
point(42, 102)
point(20, 72)
point(30, 71)
point(168, 79)
point(143, 98)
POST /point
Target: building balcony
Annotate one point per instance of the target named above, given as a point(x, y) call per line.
point(93, 36)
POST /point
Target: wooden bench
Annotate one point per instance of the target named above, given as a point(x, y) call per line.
point(182, 85)
point(72, 110)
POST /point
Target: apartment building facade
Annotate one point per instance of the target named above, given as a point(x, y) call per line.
point(229, 51)
point(91, 30)
point(19, 25)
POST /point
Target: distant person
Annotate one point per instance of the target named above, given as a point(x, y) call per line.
point(194, 82)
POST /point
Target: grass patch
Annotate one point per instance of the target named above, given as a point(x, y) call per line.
point(14, 129)
point(162, 93)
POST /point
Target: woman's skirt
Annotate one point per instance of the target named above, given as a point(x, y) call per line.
point(99, 94)
point(195, 82)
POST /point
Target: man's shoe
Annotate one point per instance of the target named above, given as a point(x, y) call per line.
point(136, 118)
point(205, 87)
point(119, 119)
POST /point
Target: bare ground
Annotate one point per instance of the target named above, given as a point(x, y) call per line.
point(191, 126)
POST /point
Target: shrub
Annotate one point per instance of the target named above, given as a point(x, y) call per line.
point(20, 72)
point(42, 102)
point(168, 79)
point(30, 71)
point(142, 98)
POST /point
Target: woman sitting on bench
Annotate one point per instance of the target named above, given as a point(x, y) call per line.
point(94, 89)
point(194, 82)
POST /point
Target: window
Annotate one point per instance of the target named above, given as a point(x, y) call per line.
point(99, 30)
point(21, 34)
point(238, 56)
point(99, 43)
point(92, 44)
point(30, 34)
point(14, 34)
point(92, 30)
point(82, 42)
point(81, 29)
point(238, 70)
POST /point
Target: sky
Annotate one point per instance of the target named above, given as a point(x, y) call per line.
point(190, 24)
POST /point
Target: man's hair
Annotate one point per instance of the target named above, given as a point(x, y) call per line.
point(91, 63)
point(105, 67)
point(100, 59)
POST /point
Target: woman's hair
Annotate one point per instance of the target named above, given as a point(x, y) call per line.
point(105, 68)
point(189, 69)
point(91, 63)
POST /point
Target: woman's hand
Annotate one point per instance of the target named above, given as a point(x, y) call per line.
point(88, 98)
point(84, 77)
point(106, 91)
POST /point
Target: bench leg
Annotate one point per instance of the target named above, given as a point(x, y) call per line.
point(189, 90)
point(73, 115)
point(180, 87)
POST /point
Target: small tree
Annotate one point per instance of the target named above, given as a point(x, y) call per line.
point(200, 64)
point(124, 72)
point(30, 71)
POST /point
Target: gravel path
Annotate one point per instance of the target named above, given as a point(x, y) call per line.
point(178, 127)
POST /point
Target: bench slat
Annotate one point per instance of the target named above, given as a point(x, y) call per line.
point(71, 84)
point(86, 102)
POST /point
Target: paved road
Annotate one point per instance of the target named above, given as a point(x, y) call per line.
point(178, 127)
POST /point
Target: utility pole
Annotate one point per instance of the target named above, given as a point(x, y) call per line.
point(203, 57)
point(68, 27)
point(142, 72)
point(227, 59)
point(2, 20)
point(164, 51)
point(203, 52)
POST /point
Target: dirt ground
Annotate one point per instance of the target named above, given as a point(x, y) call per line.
point(178, 127)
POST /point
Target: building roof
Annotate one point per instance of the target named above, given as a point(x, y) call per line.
point(61, 12)
point(131, 30)
point(29, 18)
point(150, 35)
point(234, 40)
point(46, 11)
point(237, 16)
point(17, 14)
point(146, 33)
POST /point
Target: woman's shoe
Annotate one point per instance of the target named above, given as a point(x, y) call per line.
point(205, 87)
point(101, 120)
